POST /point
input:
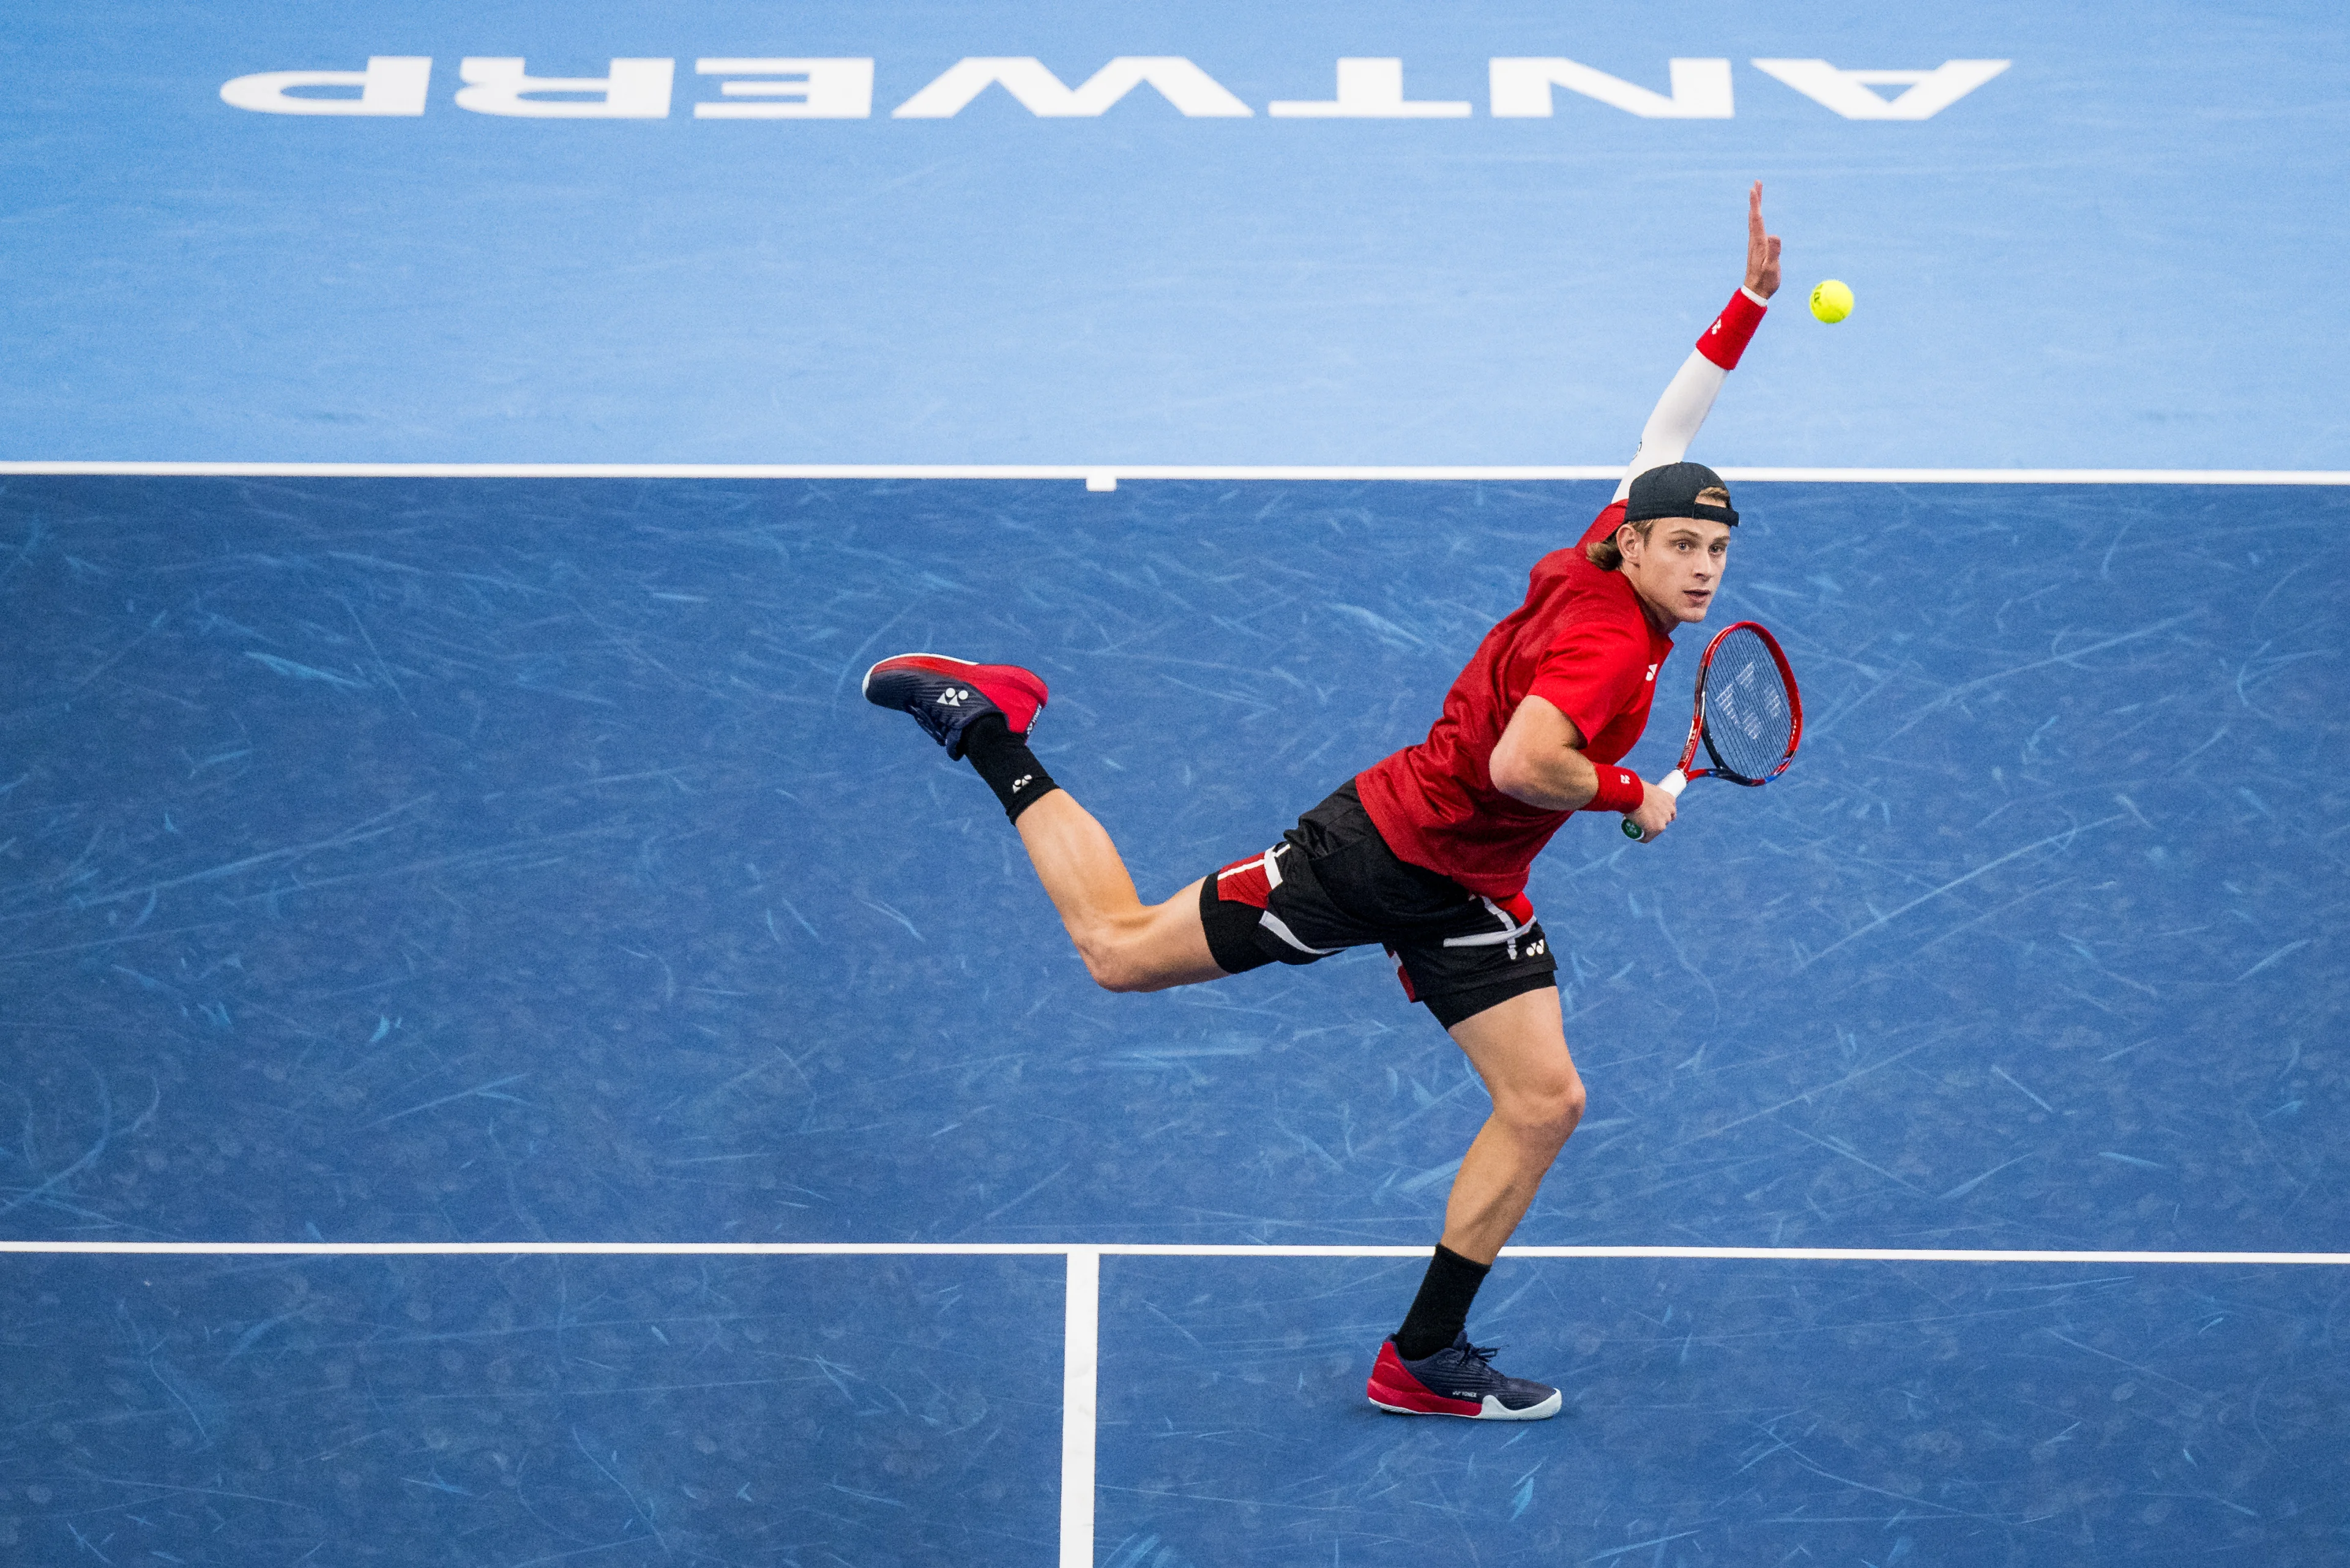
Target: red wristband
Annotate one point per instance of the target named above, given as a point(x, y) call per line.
point(1727, 339)
point(1620, 789)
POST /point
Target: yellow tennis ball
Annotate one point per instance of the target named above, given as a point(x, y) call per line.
point(1831, 301)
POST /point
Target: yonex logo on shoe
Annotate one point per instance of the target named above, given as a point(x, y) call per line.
point(951, 698)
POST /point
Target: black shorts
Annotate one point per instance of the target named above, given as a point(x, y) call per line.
point(1333, 882)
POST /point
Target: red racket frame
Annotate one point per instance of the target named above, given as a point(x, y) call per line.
point(1697, 714)
point(1679, 778)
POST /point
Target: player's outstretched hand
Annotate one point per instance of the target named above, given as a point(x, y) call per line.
point(1658, 809)
point(1762, 249)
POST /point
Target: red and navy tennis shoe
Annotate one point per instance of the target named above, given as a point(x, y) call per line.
point(1457, 1380)
point(944, 695)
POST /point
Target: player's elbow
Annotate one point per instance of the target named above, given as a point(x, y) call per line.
point(1522, 775)
point(1534, 761)
point(1512, 770)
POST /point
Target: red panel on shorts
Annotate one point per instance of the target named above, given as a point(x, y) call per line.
point(1403, 977)
point(1245, 882)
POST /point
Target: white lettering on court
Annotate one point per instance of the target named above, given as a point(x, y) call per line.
point(1191, 89)
point(779, 87)
point(801, 88)
point(1520, 88)
point(1368, 90)
point(1848, 92)
point(636, 89)
point(392, 83)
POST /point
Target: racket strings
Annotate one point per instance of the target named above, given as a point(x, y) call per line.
point(1749, 719)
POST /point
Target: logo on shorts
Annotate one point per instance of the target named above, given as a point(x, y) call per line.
point(1536, 948)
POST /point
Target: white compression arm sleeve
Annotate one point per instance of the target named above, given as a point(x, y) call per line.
point(1674, 423)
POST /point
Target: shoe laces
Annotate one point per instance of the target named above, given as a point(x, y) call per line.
point(1483, 1354)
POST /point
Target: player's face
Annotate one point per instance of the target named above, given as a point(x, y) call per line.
point(1677, 569)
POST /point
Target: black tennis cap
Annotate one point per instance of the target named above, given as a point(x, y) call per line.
point(1672, 491)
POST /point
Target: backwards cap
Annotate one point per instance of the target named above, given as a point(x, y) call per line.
point(1672, 491)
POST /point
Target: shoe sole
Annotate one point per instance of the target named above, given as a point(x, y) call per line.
point(1493, 1410)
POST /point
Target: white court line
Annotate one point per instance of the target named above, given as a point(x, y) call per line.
point(1105, 476)
point(1099, 1248)
point(1117, 1249)
point(1080, 1362)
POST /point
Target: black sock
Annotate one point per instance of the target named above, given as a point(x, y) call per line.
point(1007, 765)
point(1440, 1311)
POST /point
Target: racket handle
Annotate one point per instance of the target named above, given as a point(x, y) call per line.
point(1672, 783)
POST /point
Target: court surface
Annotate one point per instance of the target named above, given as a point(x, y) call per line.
point(506, 1060)
point(2117, 253)
point(478, 862)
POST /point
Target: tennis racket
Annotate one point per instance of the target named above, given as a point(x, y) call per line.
point(1749, 717)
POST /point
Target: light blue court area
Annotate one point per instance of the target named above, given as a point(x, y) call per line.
point(470, 862)
point(1209, 234)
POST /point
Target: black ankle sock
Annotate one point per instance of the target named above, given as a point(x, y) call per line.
point(1007, 765)
point(1440, 1311)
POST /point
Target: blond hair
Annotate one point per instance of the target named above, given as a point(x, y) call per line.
point(1606, 555)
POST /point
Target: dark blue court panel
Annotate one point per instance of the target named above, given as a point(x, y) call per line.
point(508, 860)
point(503, 1410)
point(1735, 1413)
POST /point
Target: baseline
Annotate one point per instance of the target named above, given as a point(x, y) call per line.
point(1105, 476)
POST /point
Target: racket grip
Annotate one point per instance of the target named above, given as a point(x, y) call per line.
point(1672, 783)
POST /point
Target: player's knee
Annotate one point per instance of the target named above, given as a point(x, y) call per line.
point(1571, 1104)
point(1546, 1106)
point(1113, 964)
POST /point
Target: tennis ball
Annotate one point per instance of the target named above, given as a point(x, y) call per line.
point(1831, 301)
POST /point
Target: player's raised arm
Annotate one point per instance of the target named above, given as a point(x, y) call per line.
point(1666, 437)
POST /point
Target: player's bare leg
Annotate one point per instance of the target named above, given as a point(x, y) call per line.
point(1126, 945)
point(982, 712)
point(1427, 1366)
point(1519, 1048)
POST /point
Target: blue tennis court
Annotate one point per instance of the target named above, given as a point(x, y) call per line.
point(466, 863)
point(506, 1059)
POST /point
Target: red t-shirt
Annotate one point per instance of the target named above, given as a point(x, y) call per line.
point(1582, 643)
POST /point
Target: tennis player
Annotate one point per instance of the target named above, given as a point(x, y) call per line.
point(1426, 852)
